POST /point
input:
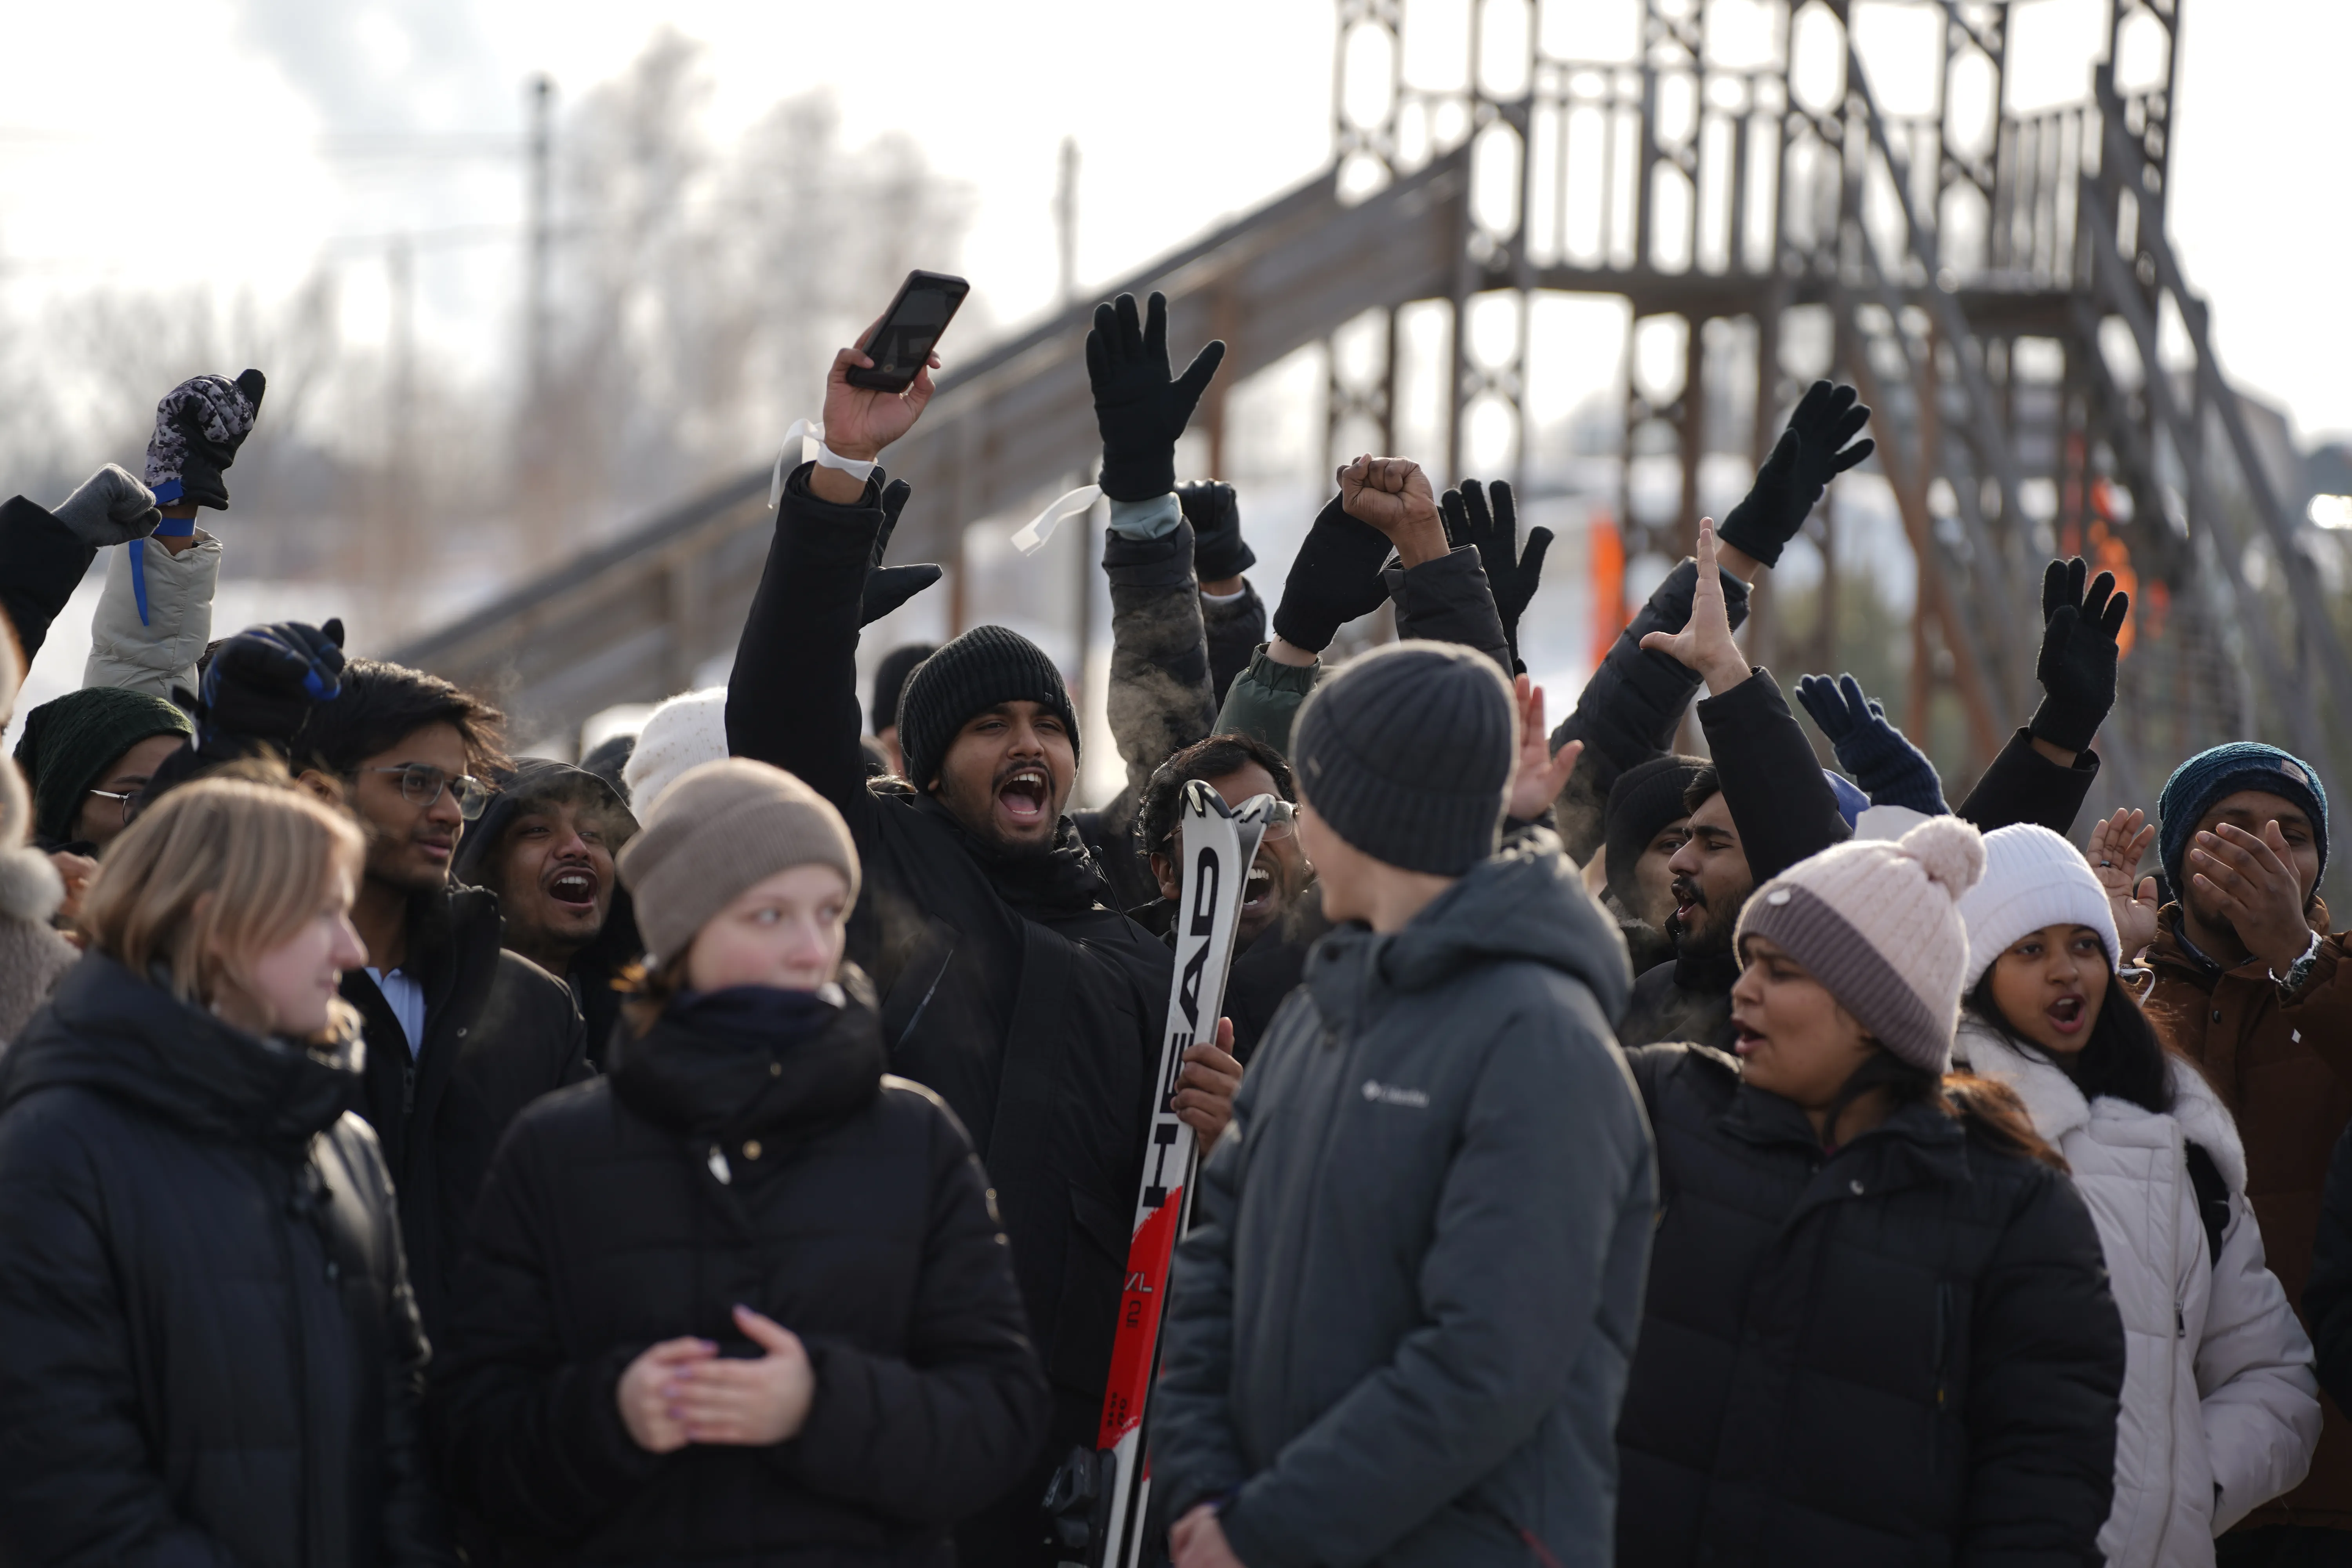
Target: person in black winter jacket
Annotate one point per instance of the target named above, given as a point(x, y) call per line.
point(744, 1298)
point(461, 1035)
point(1766, 804)
point(1007, 983)
point(1399, 1328)
point(208, 1350)
point(1878, 1327)
point(543, 846)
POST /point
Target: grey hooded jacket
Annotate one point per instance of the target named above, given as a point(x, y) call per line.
point(1400, 1326)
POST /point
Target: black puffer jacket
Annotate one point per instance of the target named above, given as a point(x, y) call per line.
point(41, 563)
point(208, 1352)
point(500, 1031)
point(850, 1210)
point(962, 943)
point(1903, 1351)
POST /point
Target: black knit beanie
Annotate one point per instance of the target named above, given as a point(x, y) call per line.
point(890, 680)
point(69, 741)
point(1406, 751)
point(1642, 802)
point(986, 666)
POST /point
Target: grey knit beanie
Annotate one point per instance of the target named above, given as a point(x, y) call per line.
point(718, 830)
point(1407, 751)
point(986, 666)
point(1879, 925)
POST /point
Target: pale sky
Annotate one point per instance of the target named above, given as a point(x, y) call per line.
point(1185, 112)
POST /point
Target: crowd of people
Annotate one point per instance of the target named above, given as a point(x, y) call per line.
point(724, 1151)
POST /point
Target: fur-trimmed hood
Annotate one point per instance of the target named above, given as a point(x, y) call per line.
point(2058, 1106)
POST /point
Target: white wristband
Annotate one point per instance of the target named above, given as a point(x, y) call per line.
point(826, 458)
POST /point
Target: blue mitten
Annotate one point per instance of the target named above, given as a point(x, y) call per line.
point(1891, 769)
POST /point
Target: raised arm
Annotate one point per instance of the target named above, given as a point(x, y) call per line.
point(1161, 698)
point(792, 699)
point(1487, 519)
point(1871, 751)
point(1777, 796)
point(1628, 713)
point(2045, 773)
point(1231, 611)
point(44, 554)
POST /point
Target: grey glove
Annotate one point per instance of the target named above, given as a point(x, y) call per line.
point(110, 507)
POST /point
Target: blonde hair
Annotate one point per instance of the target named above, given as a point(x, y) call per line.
point(213, 876)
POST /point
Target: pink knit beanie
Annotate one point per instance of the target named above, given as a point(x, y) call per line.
point(1879, 925)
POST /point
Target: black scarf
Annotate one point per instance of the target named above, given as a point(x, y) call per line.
point(754, 1060)
point(1042, 884)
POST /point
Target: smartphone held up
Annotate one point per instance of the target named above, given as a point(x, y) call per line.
point(902, 341)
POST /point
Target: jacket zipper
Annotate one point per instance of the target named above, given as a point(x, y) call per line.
point(1942, 1367)
point(301, 1357)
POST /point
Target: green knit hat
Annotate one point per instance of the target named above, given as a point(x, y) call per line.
point(68, 744)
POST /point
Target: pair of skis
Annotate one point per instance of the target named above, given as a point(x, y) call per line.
point(1098, 1499)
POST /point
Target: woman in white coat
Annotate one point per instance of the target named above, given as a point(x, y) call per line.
point(2220, 1407)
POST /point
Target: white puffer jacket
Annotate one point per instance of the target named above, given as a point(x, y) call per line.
point(2221, 1409)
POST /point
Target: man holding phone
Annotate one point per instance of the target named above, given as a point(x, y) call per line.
point(1010, 985)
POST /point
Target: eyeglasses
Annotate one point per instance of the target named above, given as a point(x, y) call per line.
point(1281, 822)
point(128, 802)
point(421, 784)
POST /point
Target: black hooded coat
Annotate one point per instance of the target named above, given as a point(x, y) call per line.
point(1904, 1351)
point(1008, 983)
point(208, 1351)
point(749, 1149)
point(595, 968)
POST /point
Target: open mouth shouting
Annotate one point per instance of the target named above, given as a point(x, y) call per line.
point(1690, 904)
point(572, 889)
point(1260, 889)
point(1746, 1038)
point(1026, 796)
point(2069, 1015)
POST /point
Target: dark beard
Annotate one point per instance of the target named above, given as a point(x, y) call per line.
point(1712, 939)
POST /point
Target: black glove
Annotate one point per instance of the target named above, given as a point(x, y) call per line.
point(1218, 550)
point(199, 425)
point(1138, 409)
point(1334, 578)
point(1803, 462)
point(1873, 752)
point(888, 587)
point(2077, 667)
point(1495, 535)
point(263, 682)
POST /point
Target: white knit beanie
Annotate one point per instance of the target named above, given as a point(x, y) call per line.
point(2032, 879)
point(1878, 924)
point(685, 731)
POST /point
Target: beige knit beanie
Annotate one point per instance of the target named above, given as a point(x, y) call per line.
point(718, 829)
point(1879, 925)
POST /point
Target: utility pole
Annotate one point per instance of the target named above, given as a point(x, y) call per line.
point(534, 428)
point(1065, 221)
point(541, 105)
point(1065, 243)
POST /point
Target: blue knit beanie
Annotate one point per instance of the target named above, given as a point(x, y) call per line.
point(2207, 776)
